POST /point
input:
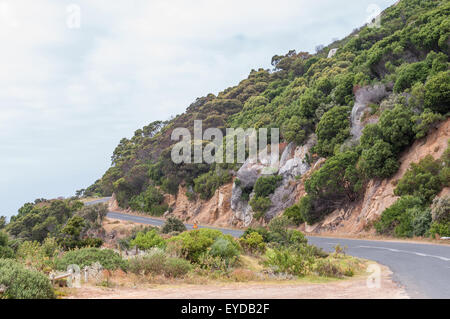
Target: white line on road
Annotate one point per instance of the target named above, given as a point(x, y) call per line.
point(408, 252)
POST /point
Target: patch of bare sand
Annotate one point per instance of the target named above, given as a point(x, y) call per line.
point(355, 288)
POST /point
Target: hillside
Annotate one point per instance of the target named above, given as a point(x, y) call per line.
point(351, 124)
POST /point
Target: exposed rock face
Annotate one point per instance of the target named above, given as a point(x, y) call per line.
point(292, 163)
point(364, 96)
point(379, 194)
point(332, 53)
point(266, 164)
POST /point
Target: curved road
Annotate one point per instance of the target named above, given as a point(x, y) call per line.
point(423, 269)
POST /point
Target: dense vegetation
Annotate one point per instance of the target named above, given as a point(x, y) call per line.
point(304, 94)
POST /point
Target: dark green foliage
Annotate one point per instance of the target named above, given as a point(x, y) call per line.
point(253, 243)
point(36, 222)
point(192, 244)
point(224, 249)
point(410, 74)
point(332, 130)
point(422, 180)
point(338, 177)
point(437, 93)
point(378, 160)
point(425, 121)
point(151, 201)
point(396, 127)
point(260, 205)
point(296, 130)
point(207, 184)
point(147, 240)
point(5, 250)
point(395, 220)
point(22, 283)
point(295, 214)
point(266, 185)
point(173, 224)
point(109, 259)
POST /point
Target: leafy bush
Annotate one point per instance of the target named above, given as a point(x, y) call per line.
point(328, 268)
point(253, 243)
point(151, 201)
point(225, 249)
point(109, 259)
point(147, 240)
point(437, 93)
point(266, 185)
point(441, 229)
point(396, 127)
point(425, 121)
point(395, 220)
point(176, 267)
point(421, 180)
point(22, 283)
point(5, 250)
point(192, 244)
point(207, 184)
point(332, 130)
point(260, 205)
point(173, 224)
point(296, 213)
point(378, 161)
point(440, 209)
point(296, 262)
point(154, 262)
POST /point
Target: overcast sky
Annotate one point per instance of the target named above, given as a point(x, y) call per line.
point(68, 94)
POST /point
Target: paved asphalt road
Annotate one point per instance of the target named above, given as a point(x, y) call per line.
point(423, 269)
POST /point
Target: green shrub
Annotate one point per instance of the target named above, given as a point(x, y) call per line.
point(253, 243)
point(260, 205)
point(266, 185)
point(425, 121)
point(396, 127)
point(328, 268)
point(441, 229)
point(154, 262)
point(440, 209)
point(296, 262)
point(147, 240)
point(192, 244)
point(332, 130)
point(421, 180)
point(295, 214)
point(176, 267)
point(150, 201)
point(109, 259)
point(5, 250)
point(22, 283)
point(207, 184)
point(395, 219)
point(409, 74)
point(420, 221)
point(173, 224)
point(437, 93)
point(378, 161)
point(224, 249)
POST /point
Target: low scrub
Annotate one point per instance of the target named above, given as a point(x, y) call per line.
point(109, 259)
point(22, 283)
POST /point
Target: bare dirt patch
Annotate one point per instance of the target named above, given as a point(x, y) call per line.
point(355, 288)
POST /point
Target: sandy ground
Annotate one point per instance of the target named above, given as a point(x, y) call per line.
point(355, 288)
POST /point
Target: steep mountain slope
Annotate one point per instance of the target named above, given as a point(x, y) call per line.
point(350, 123)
